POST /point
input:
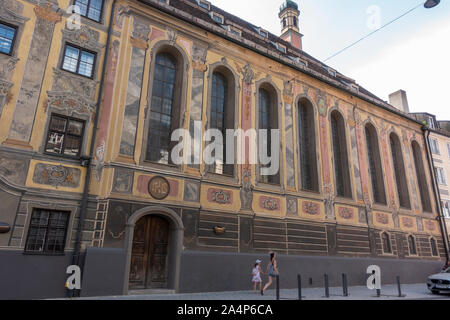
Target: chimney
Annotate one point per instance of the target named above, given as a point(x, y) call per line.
point(288, 15)
point(399, 100)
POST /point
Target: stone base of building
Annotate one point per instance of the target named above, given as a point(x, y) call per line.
point(40, 277)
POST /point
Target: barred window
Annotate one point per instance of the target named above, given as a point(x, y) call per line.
point(65, 136)
point(307, 146)
point(412, 245)
point(91, 9)
point(78, 61)
point(47, 232)
point(268, 120)
point(340, 156)
point(375, 168)
point(421, 177)
point(399, 170)
point(386, 240)
point(7, 36)
point(162, 109)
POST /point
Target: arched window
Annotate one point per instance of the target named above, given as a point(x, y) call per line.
point(375, 167)
point(164, 109)
point(412, 245)
point(221, 115)
point(421, 177)
point(386, 240)
point(340, 156)
point(399, 169)
point(307, 146)
point(268, 120)
point(434, 249)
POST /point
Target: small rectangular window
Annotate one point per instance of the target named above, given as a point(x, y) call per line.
point(47, 231)
point(448, 149)
point(91, 9)
point(7, 36)
point(79, 61)
point(440, 175)
point(263, 33)
point(217, 18)
point(65, 136)
point(204, 5)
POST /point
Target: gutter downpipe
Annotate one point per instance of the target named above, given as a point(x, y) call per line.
point(77, 251)
point(437, 195)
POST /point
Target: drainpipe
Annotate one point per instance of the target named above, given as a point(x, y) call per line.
point(437, 194)
point(87, 161)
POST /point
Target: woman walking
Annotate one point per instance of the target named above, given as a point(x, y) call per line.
point(272, 271)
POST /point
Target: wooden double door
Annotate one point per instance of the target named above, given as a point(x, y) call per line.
point(148, 269)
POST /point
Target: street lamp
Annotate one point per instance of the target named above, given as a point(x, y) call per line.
point(431, 3)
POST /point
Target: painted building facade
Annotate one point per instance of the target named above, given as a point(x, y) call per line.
point(135, 71)
point(440, 149)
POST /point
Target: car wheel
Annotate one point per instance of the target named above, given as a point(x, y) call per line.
point(434, 292)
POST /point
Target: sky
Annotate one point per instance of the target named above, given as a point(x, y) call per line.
point(412, 54)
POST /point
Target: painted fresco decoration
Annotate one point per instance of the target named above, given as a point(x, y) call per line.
point(310, 208)
point(292, 206)
point(84, 37)
point(159, 188)
point(56, 176)
point(408, 222)
point(271, 204)
point(248, 74)
point(430, 225)
point(220, 196)
point(346, 213)
point(382, 218)
point(321, 101)
point(246, 190)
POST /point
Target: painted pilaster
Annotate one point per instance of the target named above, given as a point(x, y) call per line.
point(289, 134)
point(354, 155)
point(27, 101)
point(138, 41)
point(246, 123)
point(196, 107)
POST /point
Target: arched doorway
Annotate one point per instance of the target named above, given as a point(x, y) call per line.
point(148, 269)
point(154, 245)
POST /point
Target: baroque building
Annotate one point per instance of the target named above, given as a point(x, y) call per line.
point(86, 116)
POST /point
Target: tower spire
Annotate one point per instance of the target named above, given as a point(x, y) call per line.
point(289, 18)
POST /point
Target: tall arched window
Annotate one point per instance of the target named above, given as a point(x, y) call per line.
point(222, 114)
point(434, 249)
point(412, 245)
point(421, 177)
point(340, 156)
point(164, 109)
point(399, 169)
point(386, 241)
point(375, 167)
point(268, 120)
point(307, 146)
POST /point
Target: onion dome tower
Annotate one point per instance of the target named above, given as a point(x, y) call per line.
point(289, 17)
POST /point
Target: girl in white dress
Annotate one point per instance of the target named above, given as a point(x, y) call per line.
point(257, 276)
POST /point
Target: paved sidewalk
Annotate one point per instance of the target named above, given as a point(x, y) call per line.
point(388, 292)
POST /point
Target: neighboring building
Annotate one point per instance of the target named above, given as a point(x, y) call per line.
point(354, 189)
point(440, 150)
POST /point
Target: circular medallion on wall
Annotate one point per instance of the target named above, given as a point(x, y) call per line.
point(159, 188)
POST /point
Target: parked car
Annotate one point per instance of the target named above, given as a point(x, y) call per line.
point(439, 283)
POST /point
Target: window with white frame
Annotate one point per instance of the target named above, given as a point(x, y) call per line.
point(217, 18)
point(446, 209)
point(434, 145)
point(448, 149)
point(440, 176)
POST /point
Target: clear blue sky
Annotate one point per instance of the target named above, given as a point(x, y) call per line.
point(412, 54)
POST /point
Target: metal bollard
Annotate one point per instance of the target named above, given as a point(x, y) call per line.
point(345, 284)
point(299, 279)
point(327, 288)
point(378, 293)
point(399, 287)
point(278, 287)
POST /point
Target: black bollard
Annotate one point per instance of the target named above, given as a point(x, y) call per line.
point(378, 293)
point(327, 289)
point(299, 279)
point(399, 287)
point(345, 284)
point(278, 287)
